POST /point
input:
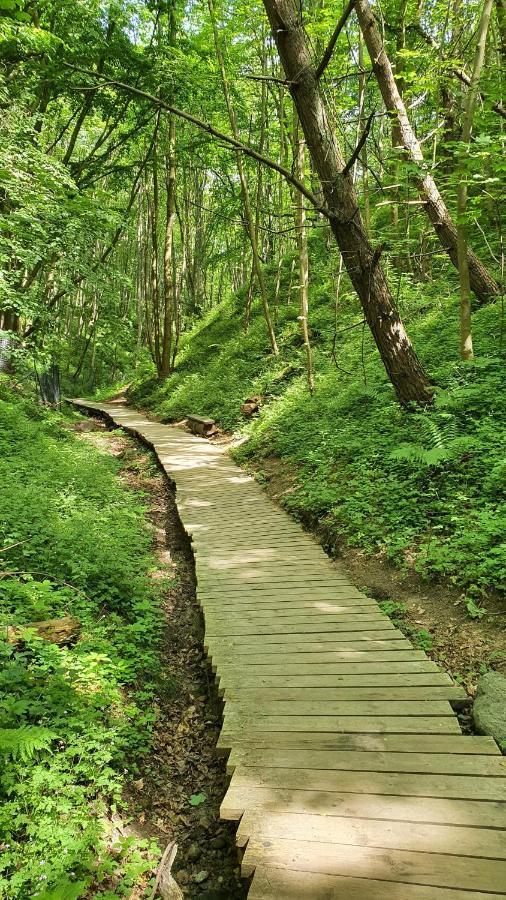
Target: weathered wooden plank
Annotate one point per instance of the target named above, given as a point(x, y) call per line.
point(276, 628)
point(383, 637)
point(270, 883)
point(369, 724)
point(367, 761)
point(361, 804)
point(285, 615)
point(240, 681)
point(257, 697)
point(409, 664)
point(356, 647)
point(304, 707)
point(439, 870)
point(367, 743)
point(321, 653)
point(399, 784)
point(346, 661)
point(421, 837)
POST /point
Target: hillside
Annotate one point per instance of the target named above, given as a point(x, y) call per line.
point(423, 487)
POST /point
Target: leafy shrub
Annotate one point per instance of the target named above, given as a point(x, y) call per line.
point(72, 719)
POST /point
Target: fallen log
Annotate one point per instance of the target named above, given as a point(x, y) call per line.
point(57, 631)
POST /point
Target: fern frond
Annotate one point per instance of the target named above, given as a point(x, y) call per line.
point(23, 743)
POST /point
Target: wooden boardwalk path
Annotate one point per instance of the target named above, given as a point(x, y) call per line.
point(351, 778)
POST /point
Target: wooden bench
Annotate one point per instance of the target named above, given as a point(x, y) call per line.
point(200, 425)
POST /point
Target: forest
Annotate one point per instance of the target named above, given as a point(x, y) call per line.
point(285, 217)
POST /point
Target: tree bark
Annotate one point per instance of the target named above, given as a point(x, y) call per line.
point(466, 338)
point(168, 252)
point(361, 260)
point(301, 235)
point(482, 283)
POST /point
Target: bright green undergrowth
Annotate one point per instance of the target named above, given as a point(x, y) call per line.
point(425, 488)
point(72, 719)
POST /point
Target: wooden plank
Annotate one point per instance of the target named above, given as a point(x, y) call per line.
point(239, 798)
point(399, 784)
point(421, 837)
point(259, 579)
point(269, 602)
point(368, 743)
point(409, 664)
point(301, 707)
point(344, 656)
point(256, 697)
point(323, 635)
point(270, 883)
point(286, 615)
point(367, 761)
point(273, 643)
point(287, 594)
point(302, 653)
point(238, 681)
point(315, 644)
point(367, 724)
point(439, 870)
point(277, 628)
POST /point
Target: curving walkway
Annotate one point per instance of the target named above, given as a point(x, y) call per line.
point(351, 779)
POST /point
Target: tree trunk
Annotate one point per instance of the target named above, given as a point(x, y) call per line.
point(466, 339)
point(361, 260)
point(168, 253)
point(301, 235)
point(482, 283)
point(248, 215)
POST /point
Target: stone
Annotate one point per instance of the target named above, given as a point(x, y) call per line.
point(194, 853)
point(218, 843)
point(489, 710)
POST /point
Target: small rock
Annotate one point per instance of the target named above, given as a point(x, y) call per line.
point(194, 853)
point(217, 843)
point(489, 710)
point(201, 876)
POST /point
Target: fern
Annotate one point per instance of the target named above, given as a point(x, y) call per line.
point(23, 743)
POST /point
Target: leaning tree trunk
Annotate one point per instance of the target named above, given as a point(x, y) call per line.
point(482, 283)
point(361, 260)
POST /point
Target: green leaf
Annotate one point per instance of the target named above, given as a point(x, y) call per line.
point(64, 890)
point(197, 799)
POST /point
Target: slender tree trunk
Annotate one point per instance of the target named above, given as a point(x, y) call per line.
point(169, 251)
point(301, 235)
point(466, 339)
point(362, 83)
point(248, 215)
point(361, 260)
point(482, 283)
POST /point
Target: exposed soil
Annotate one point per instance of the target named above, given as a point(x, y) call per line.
point(177, 792)
point(465, 647)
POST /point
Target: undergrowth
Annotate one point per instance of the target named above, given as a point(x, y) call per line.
point(425, 488)
point(73, 719)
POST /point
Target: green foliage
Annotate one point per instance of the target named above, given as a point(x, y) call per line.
point(72, 719)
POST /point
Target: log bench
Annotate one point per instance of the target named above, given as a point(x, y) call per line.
point(201, 425)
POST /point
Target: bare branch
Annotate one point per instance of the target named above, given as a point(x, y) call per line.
point(333, 40)
point(356, 153)
point(205, 126)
